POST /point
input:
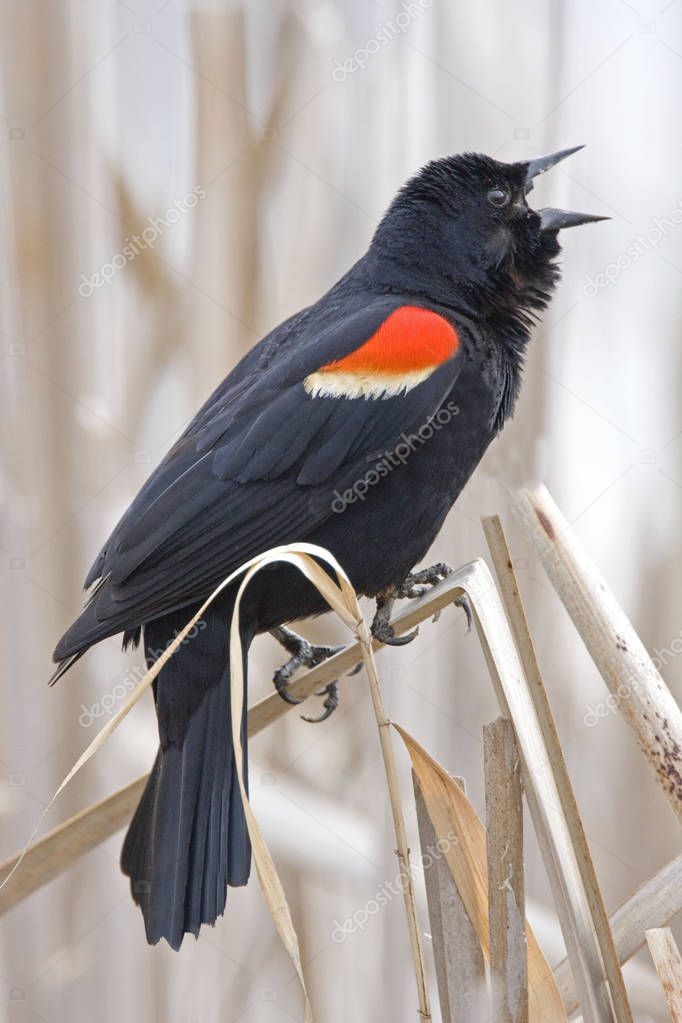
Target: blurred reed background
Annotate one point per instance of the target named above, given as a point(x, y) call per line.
point(277, 133)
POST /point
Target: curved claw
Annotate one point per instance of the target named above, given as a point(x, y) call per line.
point(390, 640)
point(282, 686)
point(302, 653)
point(465, 605)
point(330, 704)
point(401, 640)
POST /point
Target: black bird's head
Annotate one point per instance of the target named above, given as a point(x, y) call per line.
point(464, 232)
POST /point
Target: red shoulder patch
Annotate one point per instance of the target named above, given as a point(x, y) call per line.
point(411, 340)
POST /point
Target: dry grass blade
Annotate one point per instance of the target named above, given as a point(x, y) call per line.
point(641, 695)
point(451, 812)
point(343, 600)
point(267, 875)
point(513, 606)
point(402, 850)
point(156, 667)
point(666, 957)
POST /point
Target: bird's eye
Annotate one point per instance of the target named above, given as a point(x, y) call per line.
point(498, 197)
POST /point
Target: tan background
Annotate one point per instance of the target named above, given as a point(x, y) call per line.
point(111, 112)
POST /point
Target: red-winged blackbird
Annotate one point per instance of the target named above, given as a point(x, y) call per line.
point(353, 425)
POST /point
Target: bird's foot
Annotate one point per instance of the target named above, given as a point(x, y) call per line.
point(381, 627)
point(416, 584)
point(303, 654)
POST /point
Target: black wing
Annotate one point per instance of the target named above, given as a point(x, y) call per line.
point(257, 467)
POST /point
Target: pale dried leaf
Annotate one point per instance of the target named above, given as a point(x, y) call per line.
point(451, 812)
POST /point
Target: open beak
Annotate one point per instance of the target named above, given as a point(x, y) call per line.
point(551, 219)
point(554, 220)
point(543, 163)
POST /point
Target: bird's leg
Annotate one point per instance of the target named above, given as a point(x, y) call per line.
point(416, 584)
point(381, 625)
point(303, 654)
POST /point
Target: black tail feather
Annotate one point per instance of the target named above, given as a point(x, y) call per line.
point(64, 666)
point(188, 839)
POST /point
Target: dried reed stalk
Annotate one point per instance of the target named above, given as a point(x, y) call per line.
point(653, 905)
point(60, 848)
point(542, 794)
point(641, 695)
point(590, 892)
point(666, 957)
point(403, 850)
point(506, 895)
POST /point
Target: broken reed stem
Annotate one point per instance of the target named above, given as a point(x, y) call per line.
point(640, 693)
point(591, 893)
point(542, 793)
point(457, 952)
point(402, 851)
point(506, 897)
point(666, 957)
